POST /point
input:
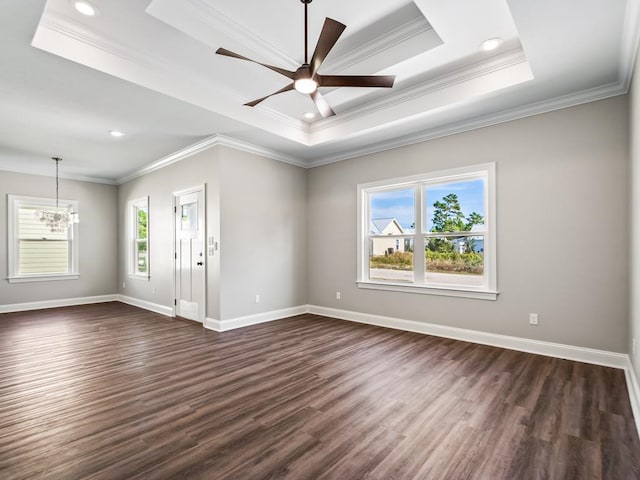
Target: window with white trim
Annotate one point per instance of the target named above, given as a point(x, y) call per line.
point(139, 237)
point(431, 233)
point(35, 252)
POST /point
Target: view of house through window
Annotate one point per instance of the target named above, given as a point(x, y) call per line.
point(454, 245)
point(34, 250)
point(392, 215)
point(430, 231)
point(40, 251)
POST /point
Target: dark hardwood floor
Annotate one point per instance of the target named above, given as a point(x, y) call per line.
point(114, 392)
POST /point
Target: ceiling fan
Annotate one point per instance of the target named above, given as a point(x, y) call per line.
point(306, 78)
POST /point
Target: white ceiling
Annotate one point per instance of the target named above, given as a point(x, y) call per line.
point(148, 68)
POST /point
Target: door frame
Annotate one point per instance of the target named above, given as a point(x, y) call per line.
point(198, 188)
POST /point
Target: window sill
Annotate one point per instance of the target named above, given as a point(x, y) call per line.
point(444, 291)
point(43, 278)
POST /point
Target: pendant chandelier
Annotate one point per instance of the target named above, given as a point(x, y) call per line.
point(58, 220)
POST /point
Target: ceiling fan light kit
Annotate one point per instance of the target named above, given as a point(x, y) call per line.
point(306, 78)
point(303, 83)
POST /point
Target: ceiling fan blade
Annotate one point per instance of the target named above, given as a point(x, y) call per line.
point(229, 53)
point(331, 31)
point(282, 90)
point(384, 81)
point(322, 105)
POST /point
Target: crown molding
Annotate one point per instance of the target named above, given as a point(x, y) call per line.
point(570, 100)
point(78, 178)
point(74, 31)
point(150, 65)
point(373, 47)
point(219, 22)
point(205, 144)
point(411, 94)
point(171, 158)
point(565, 101)
point(557, 103)
point(284, 119)
point(630, 42)
point(260, 151)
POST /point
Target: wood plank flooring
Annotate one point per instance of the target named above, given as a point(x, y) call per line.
point(110, 391)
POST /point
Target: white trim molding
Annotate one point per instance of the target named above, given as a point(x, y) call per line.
point(634, 391)
point(207, 143)
point(239, 322)
point(64, 302)
point(549, 349)
point(153, 307)
point(171, 158)
point(444, 291)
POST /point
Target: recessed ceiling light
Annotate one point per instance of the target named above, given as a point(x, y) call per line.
point(491, 44)
point(84, 7)
point(309, 115)
point(116, 133)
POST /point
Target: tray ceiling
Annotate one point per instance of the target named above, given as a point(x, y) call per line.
point(553, 54)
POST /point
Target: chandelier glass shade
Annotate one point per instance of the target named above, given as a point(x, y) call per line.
point(60, 219)
point(57, 221)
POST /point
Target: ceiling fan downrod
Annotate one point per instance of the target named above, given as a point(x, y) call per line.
point(306, 30)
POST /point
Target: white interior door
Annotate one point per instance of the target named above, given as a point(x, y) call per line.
point(190, 255)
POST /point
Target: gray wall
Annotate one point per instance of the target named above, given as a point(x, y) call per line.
point(634, 323)
point(255, 209)
point(563, 229)
point(98, 233)
point(159, 186)
point(289, 235)
point(263, 232)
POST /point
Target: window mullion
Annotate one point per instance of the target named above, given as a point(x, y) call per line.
point(418, 242)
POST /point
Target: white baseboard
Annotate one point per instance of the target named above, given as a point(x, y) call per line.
point(569, 352)
point(558, 350)
point(153, 307)
point(212, 324)
point(63, 302)
point(634, 391)
point(239, 322)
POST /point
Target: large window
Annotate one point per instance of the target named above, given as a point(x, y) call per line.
point(431, 233)
point(35, 252)
point(139, 237)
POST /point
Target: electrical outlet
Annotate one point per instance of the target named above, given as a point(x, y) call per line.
point(257, 298)
point(123, 285)
point(338, 295)
point(153, 291)
point(533, 319)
